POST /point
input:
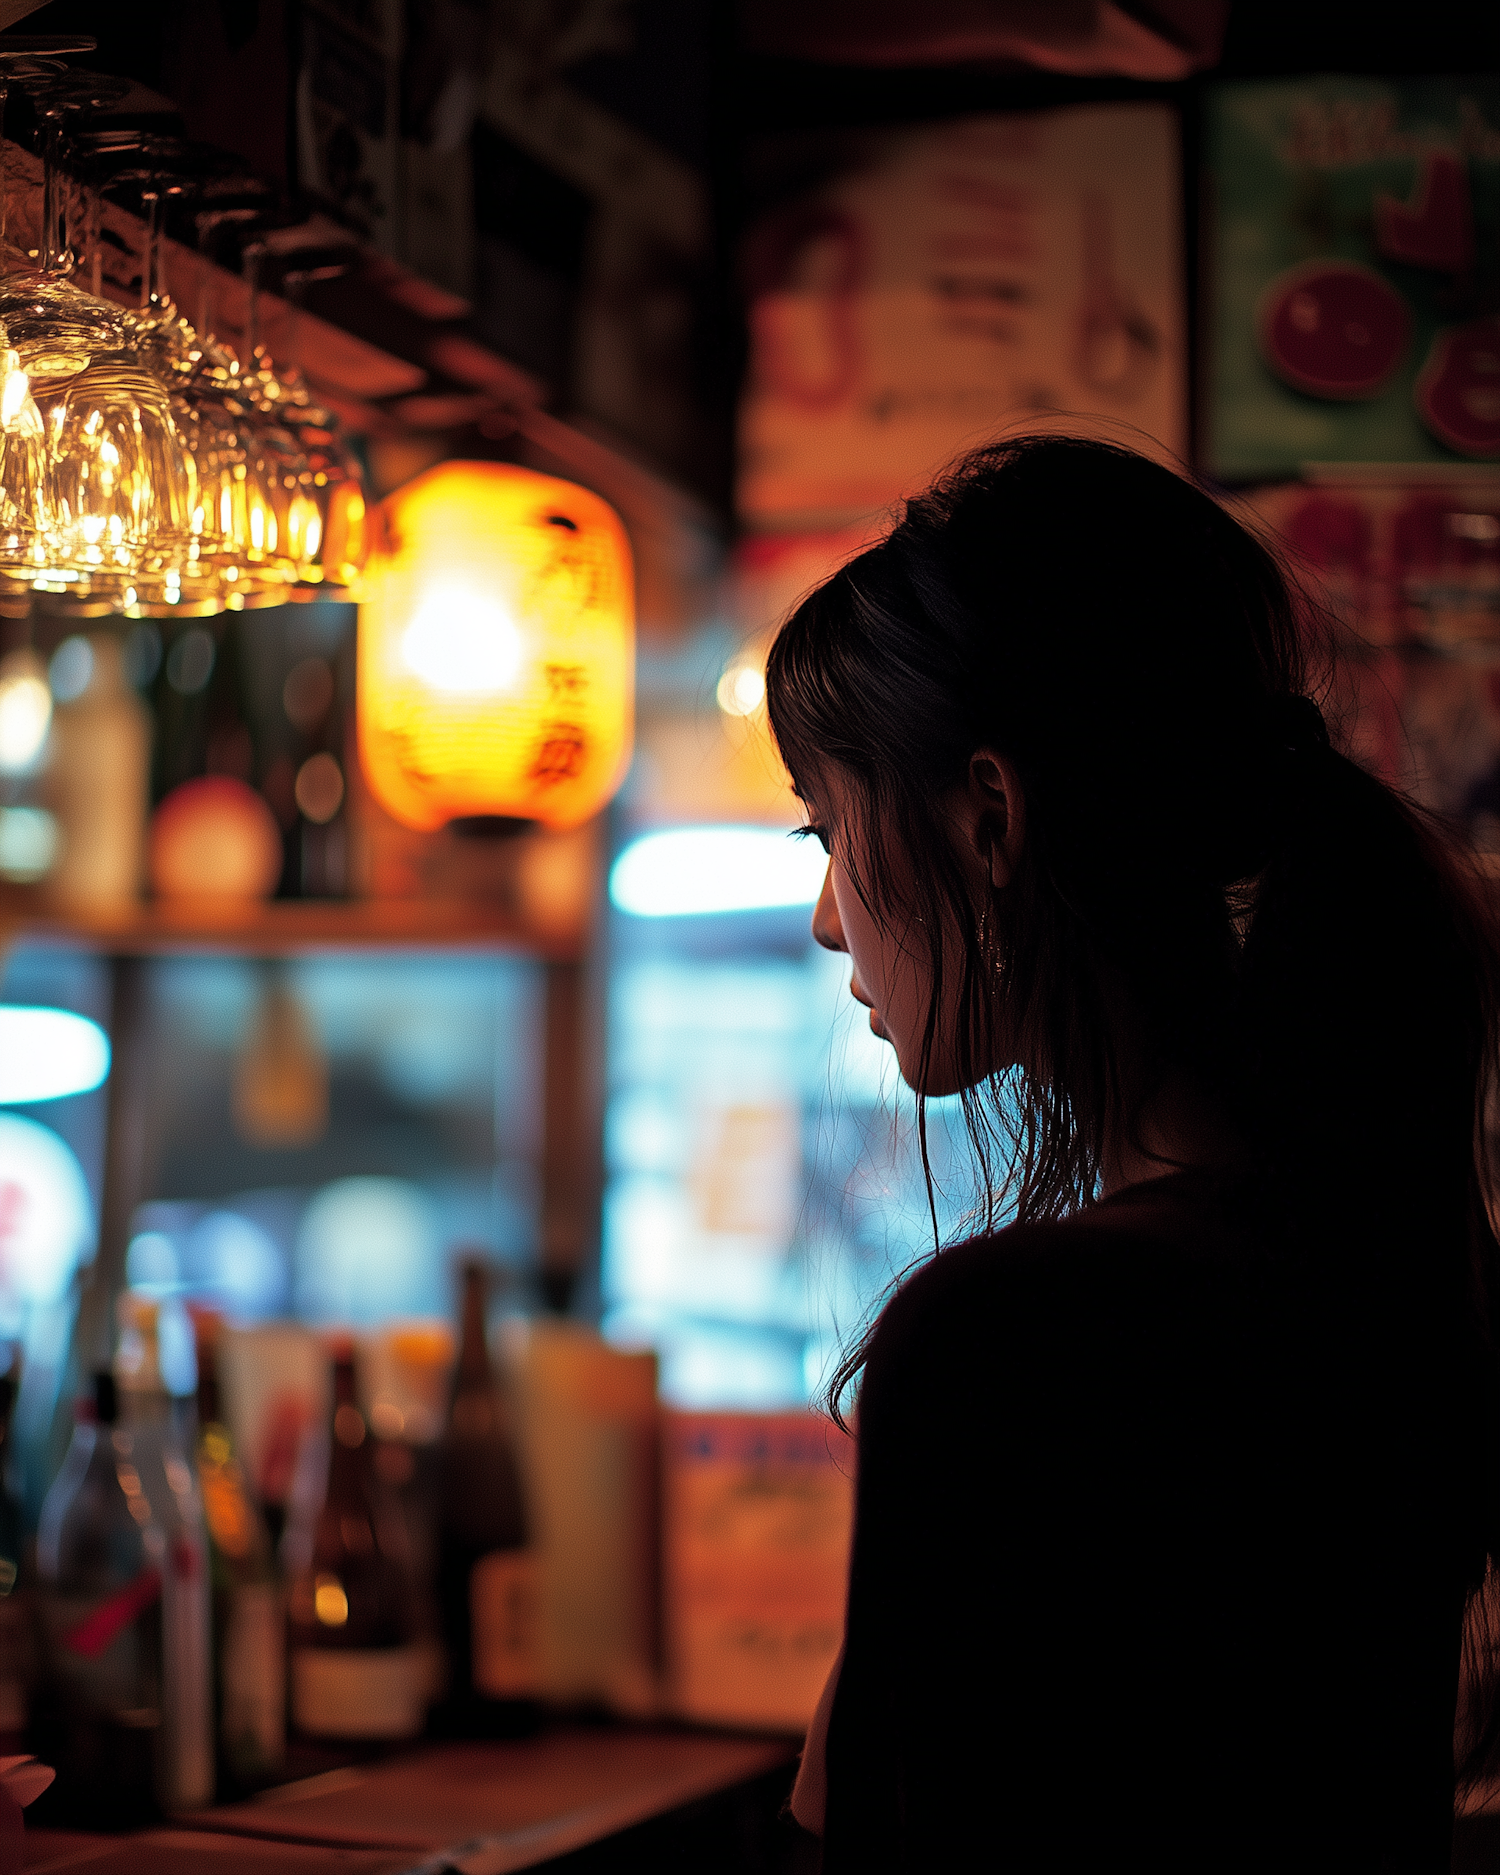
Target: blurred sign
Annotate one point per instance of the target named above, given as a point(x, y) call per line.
point(952, 281)
point(757, 1515)
point(1355, 255)
point(1409, 571)
point(46, 1218)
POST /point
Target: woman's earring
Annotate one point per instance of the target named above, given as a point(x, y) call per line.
point(989, 948)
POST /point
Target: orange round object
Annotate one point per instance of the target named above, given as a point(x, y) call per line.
point(496, 650)
point(214, 839)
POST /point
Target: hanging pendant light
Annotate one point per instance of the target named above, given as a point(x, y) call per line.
point(496, 650)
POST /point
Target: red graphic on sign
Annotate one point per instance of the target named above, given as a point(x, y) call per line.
point(1333, 329)
point(1436, 228)
point(1458, 391)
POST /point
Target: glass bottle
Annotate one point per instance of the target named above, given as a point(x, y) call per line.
point(154, 1457)
point(487, 1574)
point(99, 1565)
point(15, 1624)
point(355, 1671)
point(96, 779)
point(248, 1623)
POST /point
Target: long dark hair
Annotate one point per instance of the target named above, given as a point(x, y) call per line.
point(1303, 938)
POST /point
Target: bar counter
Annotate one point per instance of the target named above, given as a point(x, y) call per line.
point(475, 1808)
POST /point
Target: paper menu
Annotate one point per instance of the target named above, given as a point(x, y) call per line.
point(955, 280)
point(757, 1514)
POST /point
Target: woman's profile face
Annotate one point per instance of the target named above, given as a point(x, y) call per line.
point(892, 957)
point(890, 978)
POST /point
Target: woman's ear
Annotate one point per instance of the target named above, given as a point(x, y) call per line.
point(995, 810)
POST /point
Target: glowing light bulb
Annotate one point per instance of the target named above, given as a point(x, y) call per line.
point(742, 690)
point(25, 711)
point(458, 641)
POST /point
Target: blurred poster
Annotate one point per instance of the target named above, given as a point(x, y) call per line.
point(915, 291)
point(1409, 573)
point(757, 1514)
point(1354, 273)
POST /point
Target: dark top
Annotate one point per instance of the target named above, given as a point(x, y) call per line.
point(1153, 1560)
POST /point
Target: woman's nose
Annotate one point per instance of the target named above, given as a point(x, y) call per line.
point(826, 927)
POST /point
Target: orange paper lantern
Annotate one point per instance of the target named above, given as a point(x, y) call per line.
point(496, 650)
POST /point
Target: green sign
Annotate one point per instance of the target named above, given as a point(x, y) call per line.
point(1353, 249)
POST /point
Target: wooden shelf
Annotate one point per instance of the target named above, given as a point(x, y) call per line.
point(287, 925)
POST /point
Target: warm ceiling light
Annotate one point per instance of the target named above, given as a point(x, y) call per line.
point(496, 650)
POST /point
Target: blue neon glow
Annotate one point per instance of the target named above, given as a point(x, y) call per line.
point(716, 869)
point(46, 1054)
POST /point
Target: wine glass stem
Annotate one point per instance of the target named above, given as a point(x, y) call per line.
point(151, 264)
point(4, 164)
point(252, 260)
point(51, 254)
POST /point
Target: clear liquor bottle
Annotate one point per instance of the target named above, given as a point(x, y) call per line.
point(487, 1573)
point(248, 1617)
point(355, 1671)
point(154, 1454)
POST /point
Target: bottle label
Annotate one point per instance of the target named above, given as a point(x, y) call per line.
point(98, 1630)
point(253, 1678)
point(121, 1675)
point(374, 1692)
point(505, 1610)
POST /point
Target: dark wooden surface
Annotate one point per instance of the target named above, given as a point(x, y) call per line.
point(667, 1798)
point(194, 1852)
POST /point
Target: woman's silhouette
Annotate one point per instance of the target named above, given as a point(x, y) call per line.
point(1173, 1492)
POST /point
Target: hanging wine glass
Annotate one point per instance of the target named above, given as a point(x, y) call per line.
point(335, 550)
point(117, 492)
point(276, 512)
point(24, 513)
point(164, 342)
point(239, 521)
point(53, 324)
point(326, 512)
